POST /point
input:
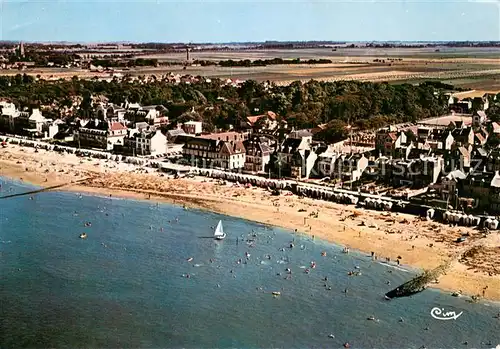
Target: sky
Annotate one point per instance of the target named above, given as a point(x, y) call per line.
point(249, 20)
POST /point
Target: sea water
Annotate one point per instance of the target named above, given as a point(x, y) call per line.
point(126, 285)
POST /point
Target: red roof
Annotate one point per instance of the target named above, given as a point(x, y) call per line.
point(224, 136)
point(117, 126)
point(253, 119)
point(392, 136)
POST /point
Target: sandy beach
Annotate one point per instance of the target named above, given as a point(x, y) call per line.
point(417, 243)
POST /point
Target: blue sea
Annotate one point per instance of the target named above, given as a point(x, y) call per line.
point(126, 285)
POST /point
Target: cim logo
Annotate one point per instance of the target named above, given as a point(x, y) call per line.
point(440, 314)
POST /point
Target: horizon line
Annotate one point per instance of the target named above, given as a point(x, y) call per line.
point(247, 42)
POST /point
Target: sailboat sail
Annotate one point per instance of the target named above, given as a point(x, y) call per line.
point(219, 231)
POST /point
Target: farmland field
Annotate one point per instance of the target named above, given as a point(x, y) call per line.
point(476, 68)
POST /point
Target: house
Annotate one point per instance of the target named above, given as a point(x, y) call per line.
point(417, 153)
point(145, 142)
point(173, 134)
point(299, 134)
point(227, 152)
point(294, 158)
point(325, 163)
point(258, 155)
point(50, 129)
point(349, 167)
point(481, 103)
point(101, 134)
point(447, 187)
point(495, 127)
point(227, 136)
point(267, 122)
point(423, 133)
point(385, 142)
point(440, 140)
point(484, 188)
point(154, 115)
point(8, 114)
point(479, 118)
point(417, 173)
point(112, 113)
point(459, 158)
point(463, 137)
point(32, 124)
point(462, 106)
point(193, 127)
point(480, 139)
point(492, 162)
point(426, 171)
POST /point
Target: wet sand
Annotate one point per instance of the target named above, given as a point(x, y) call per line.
point(418, 243)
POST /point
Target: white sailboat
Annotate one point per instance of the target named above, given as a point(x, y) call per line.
point(219, 232)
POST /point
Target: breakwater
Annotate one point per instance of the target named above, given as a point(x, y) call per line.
point(31, 192)
point(418, 283)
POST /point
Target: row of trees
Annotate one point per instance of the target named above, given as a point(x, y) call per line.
point(364, 105)
point(113, 63)
point(274, 61)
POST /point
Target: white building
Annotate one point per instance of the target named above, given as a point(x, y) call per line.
point(193, 127)
point(8, 114)
point(98, 134)
point(326, 162)
point(147, 143)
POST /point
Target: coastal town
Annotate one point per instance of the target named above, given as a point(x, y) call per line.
point(448, 164)
point(234, 174)
point(441, 170)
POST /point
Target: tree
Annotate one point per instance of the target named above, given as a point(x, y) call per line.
point(493, 113)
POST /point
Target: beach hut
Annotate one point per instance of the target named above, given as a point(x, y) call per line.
point(430, 213)
point(452, 217)
point(476, 221)
point(470, 220)
point(466, 220)
point(494, 224)
point(354, 200)
point(446, 216)
point(388, 205)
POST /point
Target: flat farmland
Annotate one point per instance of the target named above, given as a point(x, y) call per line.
point(476, 68)
point(339, 54)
